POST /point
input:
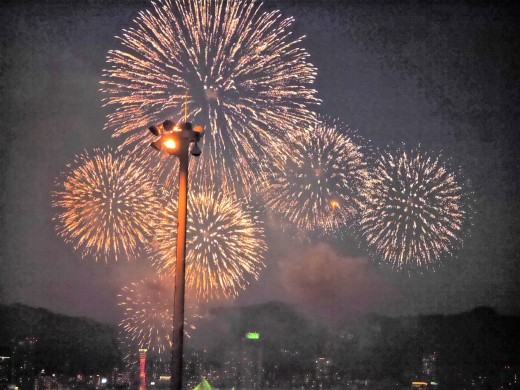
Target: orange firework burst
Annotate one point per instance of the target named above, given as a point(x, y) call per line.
point(317, 184)
point(248, 80)
point(415, 209)
point(225, 245)
point(105, 202)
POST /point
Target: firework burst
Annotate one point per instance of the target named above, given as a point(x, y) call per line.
point(248, 80)
point(415, 209)
point(148, 310)
point(225, 245)
point(104, 204)
point(317, 185)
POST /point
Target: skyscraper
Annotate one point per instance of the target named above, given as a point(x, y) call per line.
point(22, 364)
point(5, 370)
point(47, 382)
point(429, 367)
point(251, 361)
point(142, 368)
point(323, 372)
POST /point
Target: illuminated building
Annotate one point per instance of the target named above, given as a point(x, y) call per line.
point(509, 377)
point(429, 367)
point(5, 370)
point(22, 364)
point(157, 367)
point(47, 382)
point(231, 369)
point(120, 379)
point(251, 361)
point(142, 367)
point(193, 369)
point(323, 372)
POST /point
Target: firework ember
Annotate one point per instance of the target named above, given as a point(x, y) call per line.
point(225, 245)
point(415, 209)
point(105, 202)
point(317, 185)
point(148, 311)
point(248, 80)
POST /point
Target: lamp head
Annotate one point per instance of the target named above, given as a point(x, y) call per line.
point(168, 125)
point(173, 138)
point(200, 130)
point(195, 150)
point(154, 130)
point(185, 126)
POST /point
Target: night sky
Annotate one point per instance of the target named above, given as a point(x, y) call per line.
point(445, 76)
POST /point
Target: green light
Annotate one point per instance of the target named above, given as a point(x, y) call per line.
point(253, 336)
point(433, 383)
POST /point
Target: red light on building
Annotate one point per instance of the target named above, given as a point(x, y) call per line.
point(142, 366)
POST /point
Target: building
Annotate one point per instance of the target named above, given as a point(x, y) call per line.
point(194, 368)
point(5, 371)
point(22, 362)
point(509, 377)
point(47, 382)
point(142, 367)
point(323, 367)
point(155, 367)
point(251, 361)
point(230, 369)
point(122, 380)
point(429, 366)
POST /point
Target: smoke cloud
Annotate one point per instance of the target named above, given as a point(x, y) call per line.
point(322, 281)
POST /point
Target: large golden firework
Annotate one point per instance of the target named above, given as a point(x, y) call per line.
point(105, 204)
point(225, 245)
point(148, 315)
point(248, 79)
point(318, 177)
point(415, 209)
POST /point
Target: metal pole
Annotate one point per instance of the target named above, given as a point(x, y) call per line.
point(178, 308)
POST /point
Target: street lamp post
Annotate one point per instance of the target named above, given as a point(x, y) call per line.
point(175, 140)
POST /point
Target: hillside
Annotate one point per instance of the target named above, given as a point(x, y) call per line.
point(65, 344)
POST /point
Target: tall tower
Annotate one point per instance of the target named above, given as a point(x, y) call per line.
point(323, 372)
point(251, 361)
point(429, 367)
point(142, 368)
point(5, 370)
point(22, 364)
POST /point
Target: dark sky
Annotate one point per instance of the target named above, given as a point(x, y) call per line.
point(445, 76)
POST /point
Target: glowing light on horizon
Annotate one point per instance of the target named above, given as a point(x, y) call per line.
point(248, 80)
point(415, 209)
point(104, 204)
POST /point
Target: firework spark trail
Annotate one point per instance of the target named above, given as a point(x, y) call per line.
point(104, 203)
point(148, 311)
point(415, 209)
point(317, 185)
point(248, 80)
point(225, 245)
